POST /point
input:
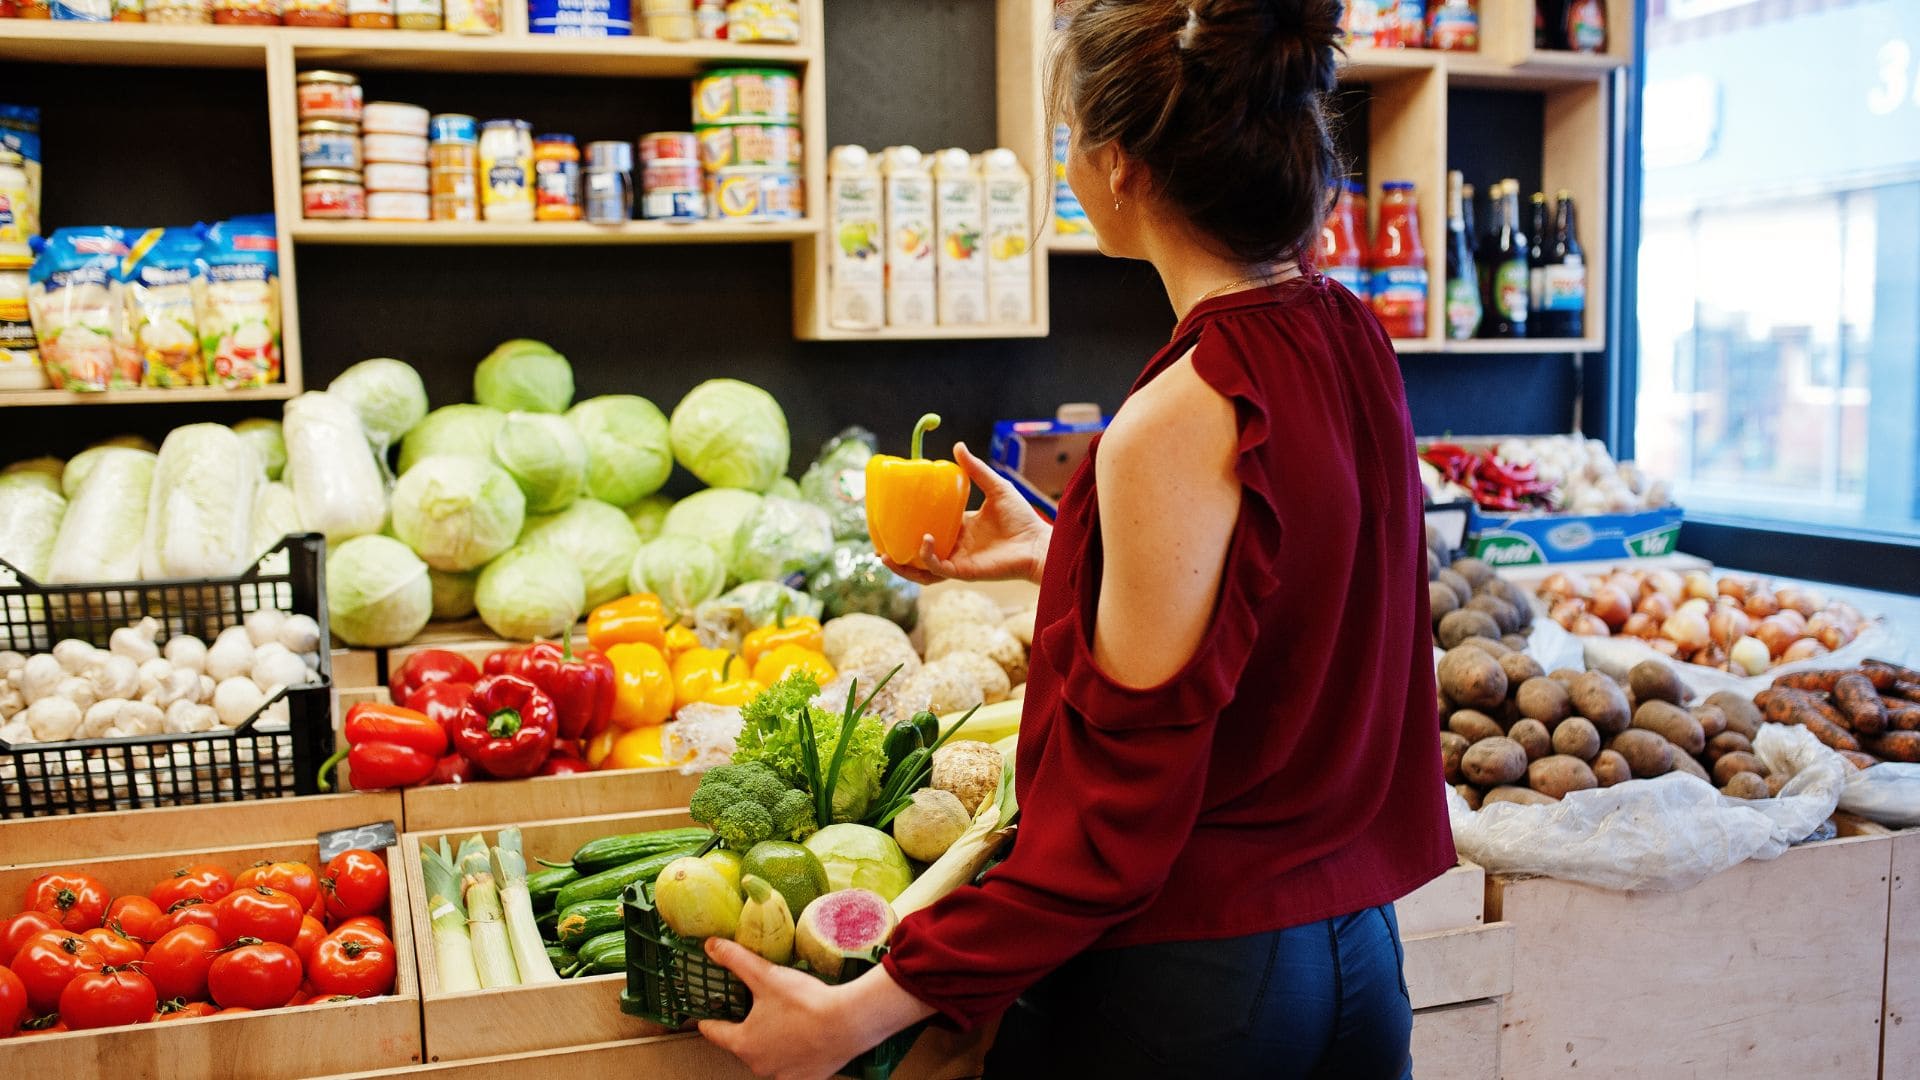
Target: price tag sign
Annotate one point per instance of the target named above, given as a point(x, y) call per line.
point(370, 837)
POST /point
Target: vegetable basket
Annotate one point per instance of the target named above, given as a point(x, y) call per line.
point(264, 757)
point(671, 982)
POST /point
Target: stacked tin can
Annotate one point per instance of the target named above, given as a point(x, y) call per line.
point(670, 181)
point(747, 123)
point(332, 185)
point(454, 167)
point(393, 142)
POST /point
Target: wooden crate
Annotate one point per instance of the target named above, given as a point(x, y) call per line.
point(356, 667)
point(1900, 1021)
point(938, 1056)
point(492, 803)
point(1455, 900)
point(81, 838)
point(300, 1041)
point(1457, 1042)
point(1769, 969)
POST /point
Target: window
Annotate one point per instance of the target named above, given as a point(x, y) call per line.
point(1779, 262)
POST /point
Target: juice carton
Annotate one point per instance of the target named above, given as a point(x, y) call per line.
point(960, 222)
point(1009, 238)
point(910, 237)
point(857, 270)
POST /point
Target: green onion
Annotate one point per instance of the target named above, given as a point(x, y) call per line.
point(453, 947)
point(523, 930)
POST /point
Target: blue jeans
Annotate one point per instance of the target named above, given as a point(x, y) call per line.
point(1325, 1000)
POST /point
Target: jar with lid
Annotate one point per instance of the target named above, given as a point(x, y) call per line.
point(179, 12)
point(506, 170)
point(329, 144)
point(370, 14)
point(417, 14)
point(19, 351)
point(246, 12)
point(329, 95)
point(609, 197)
point(333, 194)
point(16, 214)
point(322, 13)
point(710, 20)
point(556, 165)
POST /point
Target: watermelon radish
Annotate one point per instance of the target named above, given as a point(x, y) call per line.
point(849, 924)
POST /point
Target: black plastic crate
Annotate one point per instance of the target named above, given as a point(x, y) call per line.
point(253, 761)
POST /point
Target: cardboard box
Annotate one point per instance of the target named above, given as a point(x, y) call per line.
point(1040, 456)
point(1533, 538)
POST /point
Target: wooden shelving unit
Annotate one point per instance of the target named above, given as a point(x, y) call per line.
point(457, 234)
point(276, 392)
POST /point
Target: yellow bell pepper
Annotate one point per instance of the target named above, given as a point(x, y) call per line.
point(734, 692)
point(637, 749)
point(638, 618)
point(800, 630)
point(601, 745)
point(779, 662)
point(680, 638)
point(911, 498)
point(642, 685)
point(697, 671)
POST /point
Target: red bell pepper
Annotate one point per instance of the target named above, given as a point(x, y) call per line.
point(507, 728)
point(501, 663)
point(565, 762)
point(454, 769)
point(580, 684)
point(442, 701)
point(426, 667)
point(387, 747)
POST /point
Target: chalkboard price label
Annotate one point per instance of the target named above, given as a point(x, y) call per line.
point(369, 837)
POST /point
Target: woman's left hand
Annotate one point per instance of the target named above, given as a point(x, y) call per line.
point(800, 1027)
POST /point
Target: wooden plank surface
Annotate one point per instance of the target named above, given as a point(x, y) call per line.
point(1459, 965)
point(672, 1057)
point(1457, 1042)
point(356, 667)
point(1771, 969)
point(544, 798)
point(1900, 1048)
point(1455, 899)
point(80, 838)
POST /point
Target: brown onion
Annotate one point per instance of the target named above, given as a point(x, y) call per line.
point(1699, 583)
point(1612, 606)
point(1800, 600)
point(1668, 584)
point(1734, 589)
point(1749, 655)
point(1835, 637)
point(1641, 625)
point(1565, 611)
point(1803, 649)
point(1776, 635)
point(1687, 630)
point(1657, 604)
point(1590, 625)
point(1557, 586)
point(1712, 656)
point(1728, 625)
point(1793, 619)
point(1761, 603)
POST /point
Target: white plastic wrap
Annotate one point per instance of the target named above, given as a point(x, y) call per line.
point(1617, 655)
point(1665, 834)
point(29, 522)
point(703, 735)
point(100, 536)
point(200, 508)
point(275, 514)
point(1888, 793)
point(336, 483)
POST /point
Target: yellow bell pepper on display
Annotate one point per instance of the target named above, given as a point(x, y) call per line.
point(642, 686)
point(734, 692)
point(800, 630)
point(638, 618)
point(637, 749)
point(601, 745)
point(698, 671)
point(779, 662)
point(680, 638)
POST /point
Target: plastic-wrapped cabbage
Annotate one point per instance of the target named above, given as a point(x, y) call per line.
point(131, 442)
point(100, 535)
point(545, 456)
point(524, 375)
point(837, 482)
point(377, 592)
point(467, 430)
point(757, 603)
point(38, 481)
point(785, 488)
point(457, 513)
point(76, 472)
point(596, 538)
point(50, 465)
point(387, 395)
point(336, 482)
point(269, 443)
point(683, 572)
point(856, 581)
point(530, 592)
point(628, 454)
point(713, 516)
point(29, 521)
point(649, 515)
point(782, 540)
point(200, 509)
point(453, 593)
point(275, 514)
point(731, 434)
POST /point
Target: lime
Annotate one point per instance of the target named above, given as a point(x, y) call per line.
point(728, 863)
point(792, 870)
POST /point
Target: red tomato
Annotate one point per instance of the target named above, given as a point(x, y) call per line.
point(77, 901)
point(294, 878)
point(137, 917)
point(13, 1001)
point(209, 883)
point(21, 929)
point(318, 909)
point(176, 1009)
point(118, 949)
point(259, 912)
point(50, 1024)
point(372, 923)
point(178, 962)
point(49, 962)
point(355, 884)
point(108, 998)
point(192, 911)
point(311, 934)
point(254, 976)
point(353, 962)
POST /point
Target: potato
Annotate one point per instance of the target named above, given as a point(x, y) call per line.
point(1520, 667)
point(1523, 796)
point(1727, 742)
point(1532, 737)
point(1433, 566)
point(1601, 700)
point(1746, 785)
point(1544, 700)
point(1462, 589)
point(1487, 645)
point(1686, 764)
point(1458, 626)
point(1476, 572)
point(1776, 782)
point(1452, 745)
point(1648, 754)
point(1503, 613)
point(1735, 763)
point(1743, 715)
point(1441, 599)
point(1473, 678)
point(1558, 774)
point(1652, 680)
point(1673, 723)
point(1609, 768)
point(1516, 642)
point(1495, 761)
point(1469, 793)
point(1577, 737)
point(1474, 726)
point(1564, 676)
point(1515, 595)
point(1713, 720)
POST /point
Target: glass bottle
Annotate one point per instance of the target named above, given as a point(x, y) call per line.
point(1463, 279)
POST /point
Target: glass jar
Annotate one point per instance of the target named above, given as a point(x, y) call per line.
point(179, 12)
point(19, 351)
point(16, 196)
point(246, 12)
point(609, 195)
point(418, 14)
point(506, 170)
point(710, 20)
point(320, 13)
point(556, 166)
point(370, 14)
point(329, 95)
point(329, 144)
point(333, 194)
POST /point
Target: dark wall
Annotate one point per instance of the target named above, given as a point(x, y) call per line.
point(657, 320)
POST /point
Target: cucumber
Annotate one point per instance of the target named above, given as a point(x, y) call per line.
point(604, 954)
point(606, 884)
point(609, 852)
point(544, 885)
point(586, 919)
point(560, 958)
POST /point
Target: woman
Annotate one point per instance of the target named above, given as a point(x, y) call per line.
point(1228, 756)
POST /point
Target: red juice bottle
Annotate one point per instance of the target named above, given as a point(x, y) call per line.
point(1343, 250)
point(1400, 263)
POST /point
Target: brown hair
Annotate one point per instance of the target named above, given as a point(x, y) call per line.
point(1222, 101)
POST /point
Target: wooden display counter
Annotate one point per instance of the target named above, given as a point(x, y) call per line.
point(79, 839)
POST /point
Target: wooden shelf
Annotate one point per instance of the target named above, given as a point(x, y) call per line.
point(453, 233)
point(929, 333)
point(1404, 346)
point(148, 396)
point(1508, 346)
point(1536, 70)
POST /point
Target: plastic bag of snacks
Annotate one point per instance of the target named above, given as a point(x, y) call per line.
point(159, 333)
point(73, 297)
point(239, 306)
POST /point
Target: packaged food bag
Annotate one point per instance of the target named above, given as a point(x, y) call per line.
point(73, 298)
point(239, 302)
point(159, 331)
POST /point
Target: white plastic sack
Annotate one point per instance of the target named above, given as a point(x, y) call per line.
point(336, 482)
point(1666, 834)
point(1553, 648)
point(200, 507)
point(1617, 655)
point(1888, 793)
point(100, 536)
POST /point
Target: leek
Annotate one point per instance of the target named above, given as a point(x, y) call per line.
point(492, 952)
point(446, 902)
point(523, 930)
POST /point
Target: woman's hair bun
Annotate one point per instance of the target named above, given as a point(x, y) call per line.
point(1283, 48)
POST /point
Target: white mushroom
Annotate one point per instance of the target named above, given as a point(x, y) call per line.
point(312, 660)
point(152, 674)
point(300, 634)
point(77, 690)
point(264, 625)
point(38, 677)
point(11, 661)
point(204, 695)
point(11, 700)
point(115, 676)
point(140, 718)
point(185, 717)
point(274, 666)
point(136, 641)
point(101, 716)
point(187, 651)
point(53, 718)
point(16, 732)
point(179, 685)
point(74, 655)
point(236, 699)
point(231, 654)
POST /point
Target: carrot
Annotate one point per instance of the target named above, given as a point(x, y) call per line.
point(1902, 715)
point(1896, 746)
point(1819, 682)
point(1856, 699)
point(1859, 759)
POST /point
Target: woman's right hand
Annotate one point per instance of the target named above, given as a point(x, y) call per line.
point(1003, 540)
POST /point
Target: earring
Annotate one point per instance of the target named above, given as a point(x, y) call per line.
point(1116, 204)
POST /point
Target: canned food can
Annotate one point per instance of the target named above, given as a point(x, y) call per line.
point(332, 194)
point(674, 204)
point(746, 95)
point(329, 95)
point(772, 145)
point(756, 193)
point(456, 208)
point(402, 149)
point(398, 206)
point(763, 20)
point(454, 128)
point(394, 118)
point(389, 176)
point(669, 146)
point(460, 157)
point(464, 183)
point(329, 144)
point(668, 174)
point(783, 196)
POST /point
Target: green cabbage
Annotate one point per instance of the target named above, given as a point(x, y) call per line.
point(530, 592)
point(782, 540)
point(628, 453)
point(683, 572)
point(649, 515)
point(837, 482)
point(467, 430)
point(457, 513)
point(387, 395)
point(275, 514)
point(731, 434)
point(29, 521)
point(453, 593)
point(377, 592)
point(713, 516)
point(524, 375)
point(101, 534)
point(268, 443)
point(200, 510)
point(786, 488)
point(545, 456)
point(38, 481)
point(595, 537)
point(858, 857)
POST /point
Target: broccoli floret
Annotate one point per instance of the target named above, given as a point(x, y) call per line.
point(793, 816)
point(743, 803)
point(744, 824)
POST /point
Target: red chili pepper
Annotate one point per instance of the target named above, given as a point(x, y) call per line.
point(454, 769)
point(580, 684)
point(426, 667)
point(501, 663)
point(565, 762)
point(387, 747)
point(442, 701)
point(507, 727)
